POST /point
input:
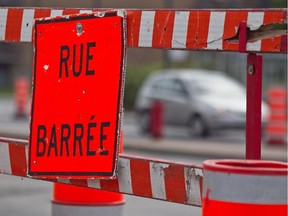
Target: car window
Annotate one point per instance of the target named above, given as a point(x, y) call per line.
point(164, 84)
point(217, 85)
point(179, 87)
point(169, 86)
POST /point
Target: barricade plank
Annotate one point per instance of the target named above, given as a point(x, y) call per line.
point(172, 29)
point(155, 179)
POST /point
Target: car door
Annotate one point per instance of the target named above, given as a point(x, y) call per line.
point(176, 101)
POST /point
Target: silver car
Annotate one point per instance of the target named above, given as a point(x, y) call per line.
point(199, 99)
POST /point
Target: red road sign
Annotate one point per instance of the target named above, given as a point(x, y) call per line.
point(77, 96)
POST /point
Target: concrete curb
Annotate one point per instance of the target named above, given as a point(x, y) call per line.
point(213, 150)
point(175, 146)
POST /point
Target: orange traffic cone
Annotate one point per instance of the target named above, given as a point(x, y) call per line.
point(21, 96)
point(75, 201)
point(276, 129)
point(244, 187)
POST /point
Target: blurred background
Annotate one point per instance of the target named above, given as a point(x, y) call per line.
point(15, 59)
point(16, 65)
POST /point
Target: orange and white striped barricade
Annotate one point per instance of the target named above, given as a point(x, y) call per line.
point(213, 29)
point(244, 187)
point(150, 178)
point(276, 129)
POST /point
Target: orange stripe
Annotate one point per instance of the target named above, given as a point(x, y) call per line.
point(272, 44)
point(18, 160)
point(110, 185)
point(192, 30)
point(14, 22)
point(163, 29)
point(198, 27)
point(175, 184)
point(71, 11)
point(231, 27)
point(141, 185)
point(133, 27)
point(275, 129)
point(40, 13)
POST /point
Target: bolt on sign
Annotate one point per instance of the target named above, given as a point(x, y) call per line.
point(78, 81)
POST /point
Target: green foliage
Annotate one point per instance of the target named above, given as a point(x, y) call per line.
point(135, 75)
point(6, 92)
point(279, 3)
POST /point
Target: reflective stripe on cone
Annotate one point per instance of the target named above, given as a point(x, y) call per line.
point(244, 187)
point(72, 210)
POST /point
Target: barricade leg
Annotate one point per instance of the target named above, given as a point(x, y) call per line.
point(239, 187)
point(253, 106)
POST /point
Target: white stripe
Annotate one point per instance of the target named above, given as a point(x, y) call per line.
point(64, 180)
point(216, 29)
point(180, 30)
point(85, 11)
point(255, 21)
point(124, 180)
point(27, 24)
point(157, 180)
point(94, 183)
point(5, 166)
point(146, 29)
point(192, 184)
point(55, 13)
point(3, 21)
point(244, 188)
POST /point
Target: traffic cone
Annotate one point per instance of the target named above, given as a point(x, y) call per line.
point(71, 200)
point(244, 187)
point(75, 201)
point(276, 129)
point(21, 89)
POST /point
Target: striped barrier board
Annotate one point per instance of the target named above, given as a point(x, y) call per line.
point(155, 179)
point(172, 29)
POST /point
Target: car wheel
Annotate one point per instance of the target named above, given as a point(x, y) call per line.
point(197, 127)
point(144, 121)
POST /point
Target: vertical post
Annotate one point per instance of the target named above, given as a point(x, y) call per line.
point(242, 37)
point(253, 106)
